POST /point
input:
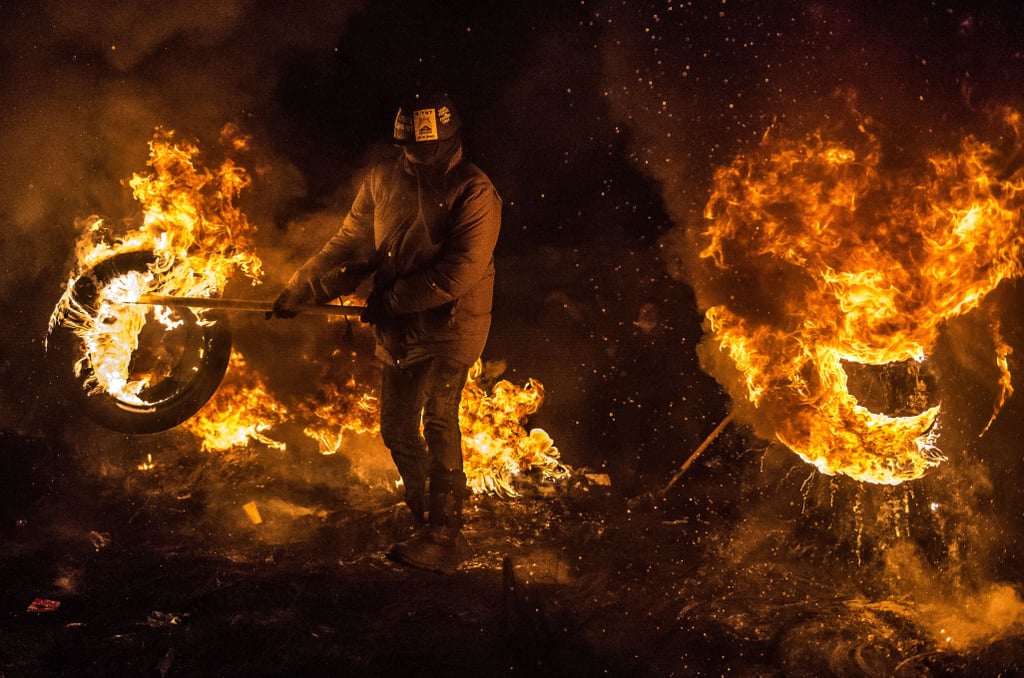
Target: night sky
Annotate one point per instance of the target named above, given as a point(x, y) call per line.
point(600, 123)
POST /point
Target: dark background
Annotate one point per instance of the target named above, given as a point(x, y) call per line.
point(600, 123)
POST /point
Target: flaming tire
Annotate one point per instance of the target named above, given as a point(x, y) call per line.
point(193, 360)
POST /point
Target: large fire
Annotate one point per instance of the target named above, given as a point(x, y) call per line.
point(495, 446)
point(859, 262)
point(200, 240)
point(241, 411)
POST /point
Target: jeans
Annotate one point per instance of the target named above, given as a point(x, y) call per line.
point(428, 391)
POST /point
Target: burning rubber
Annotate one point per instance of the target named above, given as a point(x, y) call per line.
point(178, 362)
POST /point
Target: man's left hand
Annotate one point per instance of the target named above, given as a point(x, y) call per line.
point(375, 310)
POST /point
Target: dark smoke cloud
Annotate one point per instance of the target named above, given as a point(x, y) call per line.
point(696, 83)
point(87, 83)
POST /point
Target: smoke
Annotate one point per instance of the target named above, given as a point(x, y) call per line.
point(88, 82)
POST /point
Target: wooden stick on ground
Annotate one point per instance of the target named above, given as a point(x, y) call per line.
point(703, 446)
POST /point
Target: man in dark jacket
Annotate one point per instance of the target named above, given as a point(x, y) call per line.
point(426, 225)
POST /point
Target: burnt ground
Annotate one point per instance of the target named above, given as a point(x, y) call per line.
point(160, 572)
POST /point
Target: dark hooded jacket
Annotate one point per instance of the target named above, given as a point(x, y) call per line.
point(428, 235)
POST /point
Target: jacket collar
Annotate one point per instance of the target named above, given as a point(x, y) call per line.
point(445, 163)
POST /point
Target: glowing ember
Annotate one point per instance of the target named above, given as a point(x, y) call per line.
point(859, 263)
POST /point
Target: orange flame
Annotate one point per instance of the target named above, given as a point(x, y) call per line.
point(495, 445)
point(869, 262)
point(199, 239)
point(241, 411)
point(336, 412)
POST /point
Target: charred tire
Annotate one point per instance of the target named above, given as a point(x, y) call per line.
point(191, 377)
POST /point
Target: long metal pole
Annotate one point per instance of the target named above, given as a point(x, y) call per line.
point(244, 305)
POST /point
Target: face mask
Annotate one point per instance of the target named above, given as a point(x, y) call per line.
point(421, 154)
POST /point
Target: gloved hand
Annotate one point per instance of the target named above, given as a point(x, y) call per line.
point(301, 288)
point(374, 312)
point(287, 303)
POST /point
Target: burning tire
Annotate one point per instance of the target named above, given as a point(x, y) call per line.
point(180, 367)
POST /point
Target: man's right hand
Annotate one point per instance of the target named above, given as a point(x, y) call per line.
point(286, 305)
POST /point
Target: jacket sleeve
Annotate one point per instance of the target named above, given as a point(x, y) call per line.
point(463, 261)
point(351, 245)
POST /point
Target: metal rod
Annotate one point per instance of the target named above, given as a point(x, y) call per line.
point(243, 305)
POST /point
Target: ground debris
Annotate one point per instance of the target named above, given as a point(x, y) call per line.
point(43, 605)
point(567, 581)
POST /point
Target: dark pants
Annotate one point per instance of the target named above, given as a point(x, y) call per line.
point(429, 391)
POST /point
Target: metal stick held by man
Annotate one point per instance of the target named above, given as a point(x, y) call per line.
point(424, 225)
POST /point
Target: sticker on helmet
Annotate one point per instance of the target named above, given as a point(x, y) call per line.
point(425, 122)
point(403, 127)
point(444, 114)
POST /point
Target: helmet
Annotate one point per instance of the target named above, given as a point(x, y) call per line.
point(426, 119)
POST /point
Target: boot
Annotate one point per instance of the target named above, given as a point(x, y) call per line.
point(415, 499)
point(440, 547)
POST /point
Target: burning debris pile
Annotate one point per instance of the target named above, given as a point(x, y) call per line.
point(142, 368)
point(825, 260)
point(495, 446)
